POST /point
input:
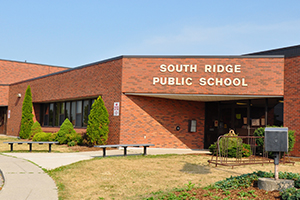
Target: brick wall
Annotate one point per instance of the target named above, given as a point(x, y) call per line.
point(154, 120)
point(12, 72)
point(291, 99)
point(264, 76)
point(103, 78)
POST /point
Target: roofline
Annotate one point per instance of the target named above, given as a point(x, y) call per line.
point(149, 56)
point(274, 50)
point(207, 56)
point(33, 63)
point(69, 69)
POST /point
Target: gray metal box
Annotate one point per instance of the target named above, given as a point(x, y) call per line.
point(276, 139)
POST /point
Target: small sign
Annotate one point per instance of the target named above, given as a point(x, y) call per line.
point(116, 108)
point(8, 114)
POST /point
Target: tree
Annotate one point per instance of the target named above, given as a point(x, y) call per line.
point(27, 116)
point(97, 128)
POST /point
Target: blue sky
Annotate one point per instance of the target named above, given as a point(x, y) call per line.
point(72, 33)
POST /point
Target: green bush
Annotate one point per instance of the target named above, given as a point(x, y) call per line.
point(27, 116)
point(232, 146)
point(41, 136)
point(67, 134)
point(36, 128)
point(97, 128)
point(260, 141)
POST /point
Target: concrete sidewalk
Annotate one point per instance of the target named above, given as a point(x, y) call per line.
point(54, 160)
point(25, 180)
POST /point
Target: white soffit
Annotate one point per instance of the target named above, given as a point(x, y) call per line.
point(202, 97)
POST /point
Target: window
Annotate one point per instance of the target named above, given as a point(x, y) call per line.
point(51, 112)
point(78, 113)
point(54, 114)
point(86, 112)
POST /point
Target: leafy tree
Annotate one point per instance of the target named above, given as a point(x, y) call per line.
point(27, 116)
point(97, 128)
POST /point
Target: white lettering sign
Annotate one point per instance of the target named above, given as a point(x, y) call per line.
point(211, 81)
point(116, 108)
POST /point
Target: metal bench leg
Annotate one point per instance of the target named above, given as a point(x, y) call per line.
point(145, 150)
point(125, 151)
point(30, 147)
point(50, 147)
point(11, 146)
point(104, 151)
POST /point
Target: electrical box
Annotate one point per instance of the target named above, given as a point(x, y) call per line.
point(192, 126)
point(276, 139)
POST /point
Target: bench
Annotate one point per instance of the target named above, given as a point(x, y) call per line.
point(125, 147)
point(30, 144)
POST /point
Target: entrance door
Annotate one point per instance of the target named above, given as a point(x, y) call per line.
point(3, 119)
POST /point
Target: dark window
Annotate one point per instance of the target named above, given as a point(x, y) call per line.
point(51, 112)
point(54, 114)
point(73, 113)
point(86, 112)
point(68, 110)
point(78, 113)
point(46, 116)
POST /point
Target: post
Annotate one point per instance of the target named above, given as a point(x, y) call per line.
point(276, 163)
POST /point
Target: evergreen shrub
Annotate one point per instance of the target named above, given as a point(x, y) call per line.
point(233, 146)
point(27, 116)
point(67, 134)
point(36, 128)
point(97, 128)
point(41, 136)
point(260, 141)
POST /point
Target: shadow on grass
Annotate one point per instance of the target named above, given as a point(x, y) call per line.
point(195, 169)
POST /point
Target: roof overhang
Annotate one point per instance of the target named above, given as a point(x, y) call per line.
point(202, 97)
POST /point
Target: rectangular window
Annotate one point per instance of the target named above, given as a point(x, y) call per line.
point(78, 113)
point(68, 110)
point(86, 112)
point(46, 115)
point(61, 107)
point(51, 112)
point(73, 113)
point(54, 114)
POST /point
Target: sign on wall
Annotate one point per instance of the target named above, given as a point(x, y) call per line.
point(116, 108)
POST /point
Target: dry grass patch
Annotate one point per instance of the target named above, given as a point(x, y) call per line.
point(35, 147)
point(133, 177)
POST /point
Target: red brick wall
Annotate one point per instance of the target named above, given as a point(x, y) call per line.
point(292, 100)
point(86, 82)
point(4, 95)
point(12, 72)
point(154, 120)
point(264, 76)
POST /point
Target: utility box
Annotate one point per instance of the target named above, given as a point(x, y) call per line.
point(276, 139)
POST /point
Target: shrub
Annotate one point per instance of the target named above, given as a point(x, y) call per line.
point(67, 133)
point(36, 128)
point(260, 141)
point(232, 146)
point(41, 136)
point(97, 128)
point(27, 116)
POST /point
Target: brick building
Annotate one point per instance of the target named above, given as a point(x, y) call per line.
point(171, 101)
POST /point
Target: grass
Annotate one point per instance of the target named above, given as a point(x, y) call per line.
point(136, 177)
point(35, 147)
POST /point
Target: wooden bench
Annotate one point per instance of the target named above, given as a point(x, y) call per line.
point(30, 144)
point(125, 147)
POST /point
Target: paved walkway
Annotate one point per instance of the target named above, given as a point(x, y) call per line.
point(25, 180)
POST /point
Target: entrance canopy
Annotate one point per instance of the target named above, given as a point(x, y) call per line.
point(202, 97)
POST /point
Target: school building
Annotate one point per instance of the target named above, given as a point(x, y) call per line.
point(170, 101)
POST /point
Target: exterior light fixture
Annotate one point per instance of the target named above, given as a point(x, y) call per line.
point(19, 95)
